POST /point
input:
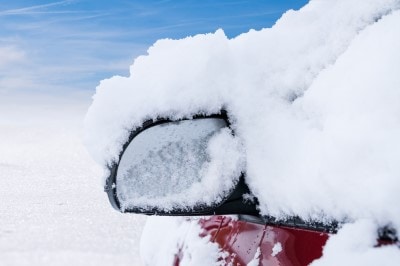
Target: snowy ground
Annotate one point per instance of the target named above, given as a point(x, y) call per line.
point(52, 208)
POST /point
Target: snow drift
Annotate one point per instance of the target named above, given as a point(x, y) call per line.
point(314, 99)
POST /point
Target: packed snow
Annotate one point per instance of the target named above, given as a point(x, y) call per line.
point(181, 240)
point(356, 245)
point(314, 101)
point(276, 249)
point(256, 260)
point(196, 152)
point(53, 211)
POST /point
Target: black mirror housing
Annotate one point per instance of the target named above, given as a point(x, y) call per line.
point(233, 202)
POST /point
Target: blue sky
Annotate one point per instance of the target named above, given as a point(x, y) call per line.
point(59, 46)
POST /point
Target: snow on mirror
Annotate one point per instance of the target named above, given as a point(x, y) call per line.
point(179, 165)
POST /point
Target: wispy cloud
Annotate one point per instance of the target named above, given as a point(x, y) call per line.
point(50, 52)
point(36, 9)
point(72, 44)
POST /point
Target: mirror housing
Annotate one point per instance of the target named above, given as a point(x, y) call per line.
point(232, 201)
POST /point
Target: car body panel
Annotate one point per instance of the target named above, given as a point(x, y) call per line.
point(278, 245)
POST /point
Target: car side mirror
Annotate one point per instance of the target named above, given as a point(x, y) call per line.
point(186, 167)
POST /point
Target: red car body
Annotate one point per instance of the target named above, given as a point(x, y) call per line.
point(278, 245)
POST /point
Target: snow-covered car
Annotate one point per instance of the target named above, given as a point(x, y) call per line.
point(171, 168)
point(308, 146)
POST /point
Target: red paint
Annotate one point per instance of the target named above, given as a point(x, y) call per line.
point(387, 242)
point(211, 226)
point(241, 240)
point(299, 246)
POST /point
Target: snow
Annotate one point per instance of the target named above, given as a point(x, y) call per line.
point(53, 210)
point(355, 245)
point(256, 260)
point(182, 237)
point(276, 249)
point(197, 157)
point(343, 159)
point(314, 101)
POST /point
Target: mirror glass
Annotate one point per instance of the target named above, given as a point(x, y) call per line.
point(179, 165)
